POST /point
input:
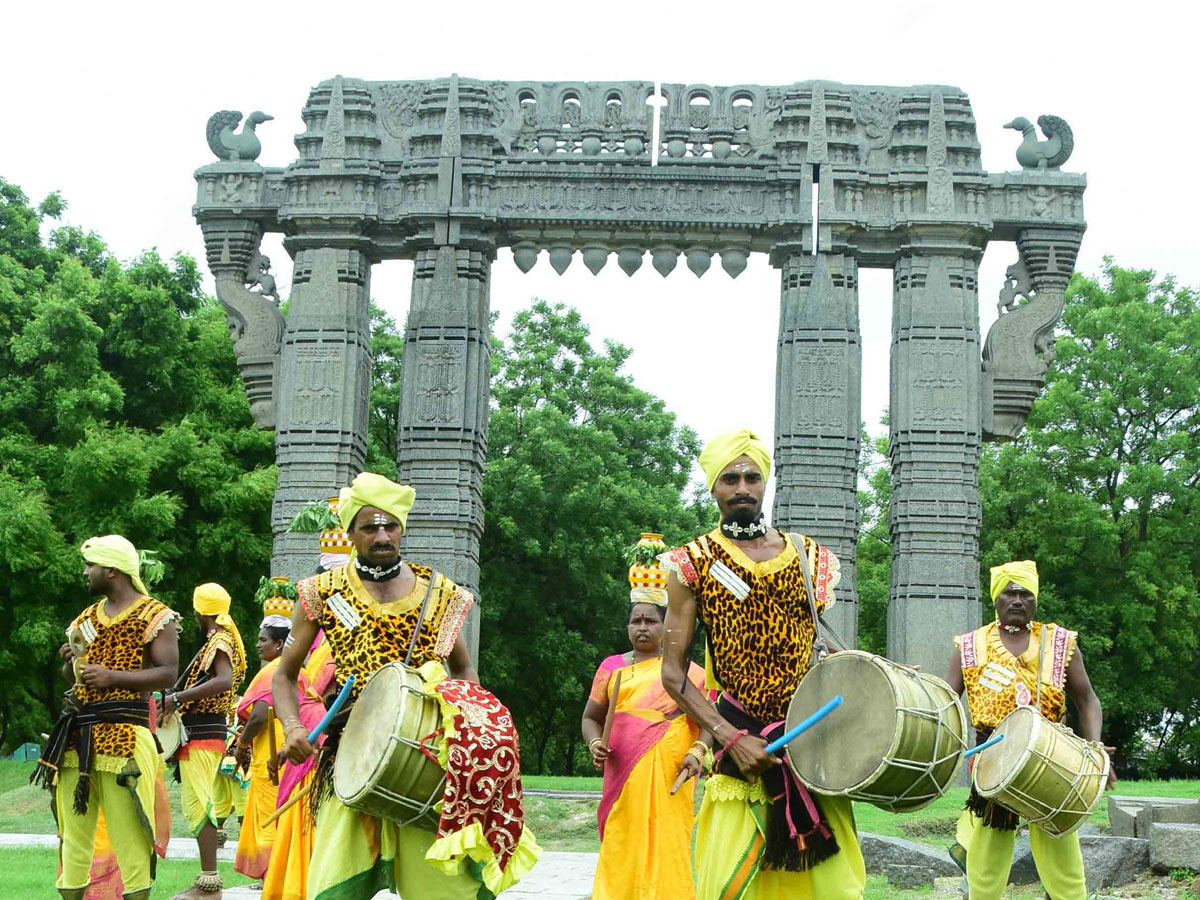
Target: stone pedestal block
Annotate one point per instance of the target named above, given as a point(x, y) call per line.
point(1175, 846)
point(1112, 861)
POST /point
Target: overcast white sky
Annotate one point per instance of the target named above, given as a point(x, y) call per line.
point(108, 103)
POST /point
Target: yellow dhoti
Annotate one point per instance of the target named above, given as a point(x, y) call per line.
point(124, 790)
point(990, 853)
point(355, 856)
point(730, 840)
point(199, 773)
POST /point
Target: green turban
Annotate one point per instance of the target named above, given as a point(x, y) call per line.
point(369, 489)
point(1022, 571)
point(115, 552)
point(725, 448)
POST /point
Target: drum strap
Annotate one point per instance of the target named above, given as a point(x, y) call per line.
point(820, 647)
point(433, 577)
point(1041, 659)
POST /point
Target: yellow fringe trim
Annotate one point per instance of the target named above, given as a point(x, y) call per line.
point(726, 787)
point(448, 852)
point(100, 762)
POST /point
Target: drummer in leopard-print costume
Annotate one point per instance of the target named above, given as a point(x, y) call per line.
point(759, 833)
point(1016, 661)
point(372, 610)
point(101, 754)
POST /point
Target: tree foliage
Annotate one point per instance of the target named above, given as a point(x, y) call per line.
point(580, 461)
point(121, 410)
point(1103, 490)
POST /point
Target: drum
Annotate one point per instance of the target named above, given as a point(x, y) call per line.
point(386, 762)
point(171, 735)
point(1042, 771)
point(895, 742)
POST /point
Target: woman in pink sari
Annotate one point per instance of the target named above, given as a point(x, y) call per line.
point(652, 753)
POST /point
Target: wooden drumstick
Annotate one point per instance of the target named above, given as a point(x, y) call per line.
point(612, 708)
point(291, 801)
point(271, 740)
point(334, 708)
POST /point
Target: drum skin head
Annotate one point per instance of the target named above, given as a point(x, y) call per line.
point(367, 733)
point(998, 764)
point(843, 750)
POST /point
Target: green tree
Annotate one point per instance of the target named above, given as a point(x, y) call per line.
point(387, 368)
point(874, 560)
point(121, 410)
point(1103, 490)
point(580, 461)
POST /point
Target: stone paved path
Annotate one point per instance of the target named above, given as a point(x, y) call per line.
point(557, 876)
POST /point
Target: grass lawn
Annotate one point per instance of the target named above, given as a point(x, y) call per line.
point(571, 824)
point(28, 873)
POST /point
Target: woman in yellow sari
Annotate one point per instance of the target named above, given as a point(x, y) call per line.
point(651, 754)
point(259, 735)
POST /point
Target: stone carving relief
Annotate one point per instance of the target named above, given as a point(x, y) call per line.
point(940, 193)
point(441, 376)
point(317, 393)
point(254, 320)
point(719, 123)
point(821, 382)
point(1020, 345)
point(877, 112)
point(589, 119)
point(398, 101)
point(259, 276)
point(938, 380)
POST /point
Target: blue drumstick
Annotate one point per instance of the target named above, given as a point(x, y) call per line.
point(779, 743)
point(338, 702)
point(992, 740)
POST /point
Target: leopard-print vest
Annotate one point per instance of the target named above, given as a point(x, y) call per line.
point(997, 682)
point(117, 643)
point(761, 643)
point(364, 634)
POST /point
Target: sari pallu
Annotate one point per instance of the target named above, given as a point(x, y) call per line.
point(645, 832)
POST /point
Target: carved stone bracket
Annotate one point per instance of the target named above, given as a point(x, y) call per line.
point(1020, 345)
point(255, 322)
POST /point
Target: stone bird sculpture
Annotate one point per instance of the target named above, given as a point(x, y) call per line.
point(229, 144)
point(1047, 154)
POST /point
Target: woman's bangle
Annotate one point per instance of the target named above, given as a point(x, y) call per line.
point(593, 742)
point(700, 746)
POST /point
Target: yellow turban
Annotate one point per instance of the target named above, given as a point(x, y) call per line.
point(1022, 571)
point(115, 552)
point(725, 448)
point(369, 489)
point(213, 600)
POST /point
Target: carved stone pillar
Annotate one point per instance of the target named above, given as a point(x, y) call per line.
point(324, 392)
point(935, 440)
point(817, 414)
point(442, 442)
point(255, 323)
